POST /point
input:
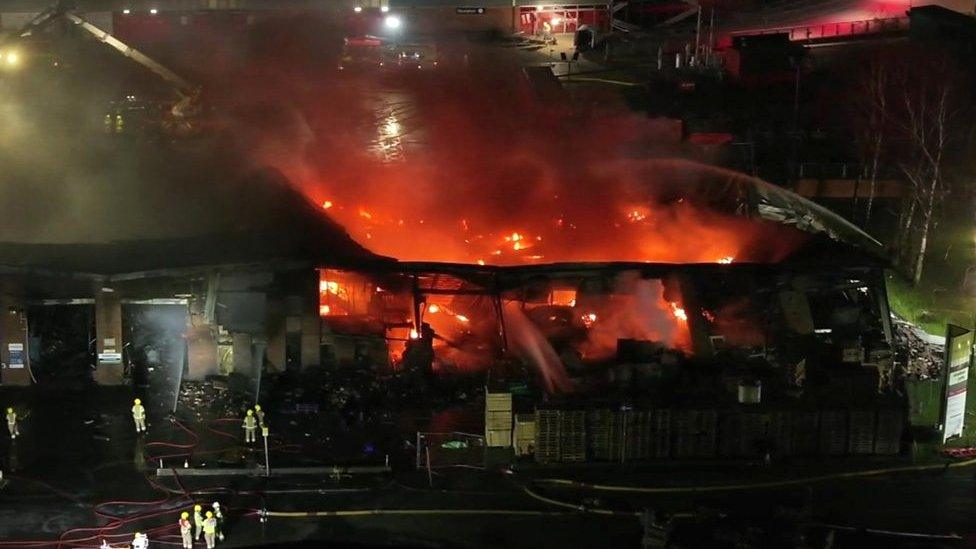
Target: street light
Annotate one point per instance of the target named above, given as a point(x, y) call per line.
point(384, 9)
point(13, 58)
point(153, 11)
point(392, 22)
point(358, 9)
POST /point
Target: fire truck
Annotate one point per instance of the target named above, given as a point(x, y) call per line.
point(361, 53)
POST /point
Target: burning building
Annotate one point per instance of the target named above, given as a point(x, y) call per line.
point(728, 297)
point(769, 325)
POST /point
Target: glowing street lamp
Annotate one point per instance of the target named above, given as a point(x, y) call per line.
point(391, 22)
point(358, 9)
point(384, 9)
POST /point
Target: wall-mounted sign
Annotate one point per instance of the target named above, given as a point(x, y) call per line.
point(16, 352)
point(109, 356)
point(469, 10)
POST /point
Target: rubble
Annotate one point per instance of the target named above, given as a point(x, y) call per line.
point(921, 358)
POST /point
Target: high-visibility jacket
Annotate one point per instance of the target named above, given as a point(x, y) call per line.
point(11, 418)
point(250, 423)
point(198, 519)
point(138, 411)
point(185, 526)
point(210, 526)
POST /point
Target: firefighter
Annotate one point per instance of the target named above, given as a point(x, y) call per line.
point(260, 413)
point(186, 530)
point(198, 519)
point(210, 530)
point(12, 423)
point(119, 124)
point(139, 415)
point(250, 427)
point(220, 520)
point(140, 541)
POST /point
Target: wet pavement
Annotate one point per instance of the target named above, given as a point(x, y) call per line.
point(79, 472)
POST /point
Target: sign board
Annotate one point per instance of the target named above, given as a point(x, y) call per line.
point(959, 354)
point(16, 352)
point(470, 10)
point(109, 356)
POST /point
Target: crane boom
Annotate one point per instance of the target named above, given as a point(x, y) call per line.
point(64, 9)
point(181, 86)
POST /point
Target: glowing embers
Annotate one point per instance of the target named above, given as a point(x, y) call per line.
point(564, 297)
point(343, 293)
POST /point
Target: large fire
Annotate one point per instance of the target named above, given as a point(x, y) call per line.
point(605, 227)
point(509, 184)
point(467, 168)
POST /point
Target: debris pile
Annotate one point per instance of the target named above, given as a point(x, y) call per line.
point(207, 399)
point(921, 357)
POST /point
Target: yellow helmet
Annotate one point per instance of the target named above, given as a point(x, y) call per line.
point(10, 410)
point(257, 407)
point(197, 508)
point(209, 514)
point(250, 412)
point(137, 401)
point(184, 515)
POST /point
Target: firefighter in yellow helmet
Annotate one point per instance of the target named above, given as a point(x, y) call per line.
point(139, 415)
point(260, 413)
point(198, 519)
point(250, 427)
point(210, 530)
point(140, 541)
point(186, 530)
point(12, 423)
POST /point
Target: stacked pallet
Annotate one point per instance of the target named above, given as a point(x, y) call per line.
point(694, 433)
point(498, 419)
point(861, 432)
point(888, 432)
point(572, 436)
point(547, 436)
point(647, 434)
point(833, 432)
point(604, 434)
point(523, 437)
point(780, 433)
point(805, 426)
